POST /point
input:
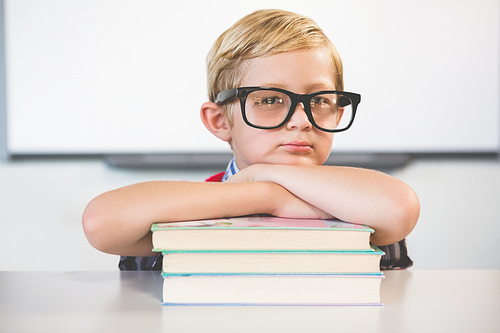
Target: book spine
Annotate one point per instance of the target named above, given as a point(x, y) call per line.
point(272, 304)
point(336, 275)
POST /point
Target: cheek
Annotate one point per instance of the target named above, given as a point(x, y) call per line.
point(249, 144)
point(328, 140)
point(253, 142)
point(325, 147)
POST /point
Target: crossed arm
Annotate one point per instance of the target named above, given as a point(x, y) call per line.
point(354, 195)
point(119, 221)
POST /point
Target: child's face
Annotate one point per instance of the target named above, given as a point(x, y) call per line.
point(297, 142)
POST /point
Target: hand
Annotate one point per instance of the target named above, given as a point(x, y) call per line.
point(286, 203)
point(247, 174)
point(291, 206)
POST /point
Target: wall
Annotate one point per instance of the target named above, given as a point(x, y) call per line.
point(41, 202)
point(97, 73)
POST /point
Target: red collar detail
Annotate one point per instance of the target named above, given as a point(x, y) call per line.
point(216, 178)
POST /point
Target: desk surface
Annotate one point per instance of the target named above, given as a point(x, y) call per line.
point(415, 301)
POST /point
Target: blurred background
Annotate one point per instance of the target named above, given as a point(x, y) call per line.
point(97, 95)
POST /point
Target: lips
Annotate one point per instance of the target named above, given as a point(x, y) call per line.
point(297, 146)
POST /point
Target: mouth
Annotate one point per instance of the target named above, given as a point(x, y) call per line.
point(298, 146)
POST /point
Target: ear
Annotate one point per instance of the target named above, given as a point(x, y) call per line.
point(214, 120)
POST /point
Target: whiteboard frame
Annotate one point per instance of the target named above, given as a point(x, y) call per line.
point(195, 159)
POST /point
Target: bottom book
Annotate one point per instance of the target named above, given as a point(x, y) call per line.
point(272, 289)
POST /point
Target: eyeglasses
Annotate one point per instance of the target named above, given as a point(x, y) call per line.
point(269, 108)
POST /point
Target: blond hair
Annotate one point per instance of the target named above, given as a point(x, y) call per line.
point(264, 33)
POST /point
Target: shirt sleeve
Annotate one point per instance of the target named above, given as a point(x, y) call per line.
point(395, 257)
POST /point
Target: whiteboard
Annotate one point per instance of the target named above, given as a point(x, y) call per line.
point(115, 76)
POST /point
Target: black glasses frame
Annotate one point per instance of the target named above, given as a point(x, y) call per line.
point(305, 99)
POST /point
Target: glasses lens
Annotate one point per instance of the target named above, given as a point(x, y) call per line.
point(332, 111)
point(267, 108)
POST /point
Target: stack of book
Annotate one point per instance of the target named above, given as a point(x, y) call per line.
point(268, 261)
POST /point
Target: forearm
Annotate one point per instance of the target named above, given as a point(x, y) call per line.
point(119, 221)
point(351, 194)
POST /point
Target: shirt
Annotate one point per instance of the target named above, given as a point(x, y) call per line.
point(395, 257)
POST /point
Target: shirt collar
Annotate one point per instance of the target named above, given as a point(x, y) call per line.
point(231, 169)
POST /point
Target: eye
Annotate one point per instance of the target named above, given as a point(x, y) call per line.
point(320, 101)
point(268, 100)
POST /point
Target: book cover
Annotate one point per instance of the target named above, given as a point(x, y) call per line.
point(273, 289)
point(260, 233)
point(265, 222)
point(336, 261)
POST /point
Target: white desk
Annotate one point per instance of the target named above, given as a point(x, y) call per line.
point(415, 301)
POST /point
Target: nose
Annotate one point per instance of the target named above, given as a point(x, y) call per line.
point(299, 119)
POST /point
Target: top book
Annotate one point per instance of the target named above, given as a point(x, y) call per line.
point(255, 234)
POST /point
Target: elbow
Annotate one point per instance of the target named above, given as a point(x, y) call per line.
point(406, 214)
point(95, 227)
point(400, 223)
point(411, 211)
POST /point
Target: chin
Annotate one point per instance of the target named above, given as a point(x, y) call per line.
point(298, 160)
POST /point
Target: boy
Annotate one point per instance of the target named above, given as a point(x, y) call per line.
point(276, 95)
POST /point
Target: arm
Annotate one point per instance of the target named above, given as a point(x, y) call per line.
point(354, 195)
point(119, 221)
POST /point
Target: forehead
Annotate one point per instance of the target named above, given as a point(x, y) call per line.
point(295, 71)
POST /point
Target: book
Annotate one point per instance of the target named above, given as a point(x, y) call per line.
point(268, 261)
point(272, 289)
point(260, 233)
point(213, 262)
